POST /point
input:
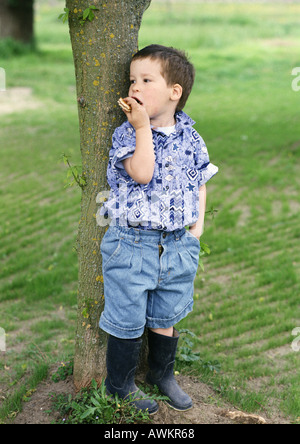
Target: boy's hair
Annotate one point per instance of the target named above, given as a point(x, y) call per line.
point(176, 68)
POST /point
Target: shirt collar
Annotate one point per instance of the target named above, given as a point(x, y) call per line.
point(183, 121)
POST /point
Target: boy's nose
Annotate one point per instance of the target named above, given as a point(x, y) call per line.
point(135, 87)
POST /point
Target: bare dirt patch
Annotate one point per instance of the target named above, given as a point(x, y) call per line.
point(208, 407)
point(276, 42)
point(17, 99)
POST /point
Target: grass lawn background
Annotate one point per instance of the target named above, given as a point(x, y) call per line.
point(247, 300)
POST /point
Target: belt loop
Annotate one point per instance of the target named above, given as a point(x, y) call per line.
point(137, 236)
point(177, 237)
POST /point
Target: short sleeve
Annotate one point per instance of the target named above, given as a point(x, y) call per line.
point(123, 146)
point(206, 170)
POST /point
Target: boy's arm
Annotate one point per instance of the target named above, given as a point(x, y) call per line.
point(198, 228)
point(140, 166)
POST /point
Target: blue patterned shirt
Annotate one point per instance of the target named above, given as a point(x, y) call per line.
point(170, 201)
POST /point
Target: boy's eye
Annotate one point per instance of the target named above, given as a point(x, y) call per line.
point(132, 82)
point(147, 80)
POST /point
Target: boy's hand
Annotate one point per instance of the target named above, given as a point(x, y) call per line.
point(195, 231)
point(138, 116)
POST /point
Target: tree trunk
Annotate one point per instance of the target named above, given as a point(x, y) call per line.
point(102, 49)
point(16, 20)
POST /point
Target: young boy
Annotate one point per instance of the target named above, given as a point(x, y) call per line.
point(158, 167)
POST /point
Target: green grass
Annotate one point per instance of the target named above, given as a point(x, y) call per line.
point(247, 301)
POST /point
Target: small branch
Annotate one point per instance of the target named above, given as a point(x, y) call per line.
point(78, 178)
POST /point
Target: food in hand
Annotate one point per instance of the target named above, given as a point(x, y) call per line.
point(125, 107)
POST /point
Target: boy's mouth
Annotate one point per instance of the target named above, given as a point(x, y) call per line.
point(137, 100)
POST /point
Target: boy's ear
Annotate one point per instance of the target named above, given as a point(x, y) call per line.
point(176, 92)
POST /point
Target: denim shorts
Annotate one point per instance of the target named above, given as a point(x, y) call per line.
point(148, 279)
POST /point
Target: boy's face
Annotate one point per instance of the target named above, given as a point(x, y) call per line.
point(150, 89)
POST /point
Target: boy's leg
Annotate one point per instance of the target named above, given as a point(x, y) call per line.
point(162, 352)
point(125, 290)
point(121, 361)
point(125, 287)
point(163, 331)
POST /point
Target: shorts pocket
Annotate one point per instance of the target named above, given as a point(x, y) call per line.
point(190, 235)
point(110, 248)
point(192, 245)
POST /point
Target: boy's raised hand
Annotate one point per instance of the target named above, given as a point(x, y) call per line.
point(138, 116)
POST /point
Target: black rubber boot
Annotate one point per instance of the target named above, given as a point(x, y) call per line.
point(121, 361)
point(162, 352)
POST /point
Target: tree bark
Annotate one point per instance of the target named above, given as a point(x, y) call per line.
point(16, 20)
point(102, 49)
